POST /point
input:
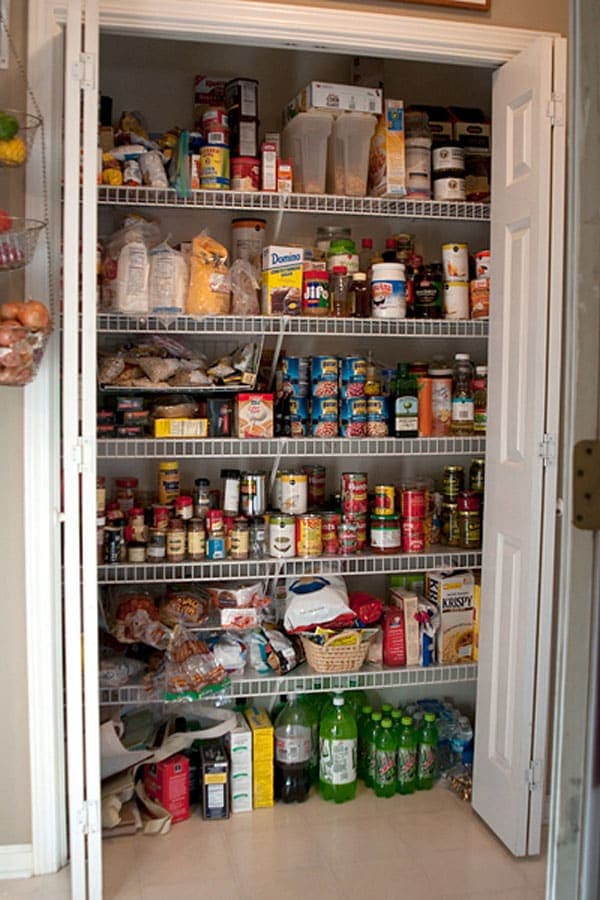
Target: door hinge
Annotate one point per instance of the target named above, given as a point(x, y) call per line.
point(586, 485)
point(88, 820)
point(80, 454)
point(547, 449)
point(84, 71)
point(556, 110)
point(532, 776)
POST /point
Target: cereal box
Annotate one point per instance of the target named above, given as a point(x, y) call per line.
point(476, 617)
point(408, 601)
point(254, 415)
point(282, 280)
point(454, 594)
point(387, 174)
point(262, 756)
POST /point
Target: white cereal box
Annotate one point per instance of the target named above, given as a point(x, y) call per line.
point(454, 594)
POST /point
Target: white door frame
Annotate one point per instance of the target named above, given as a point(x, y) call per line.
point(390, 35)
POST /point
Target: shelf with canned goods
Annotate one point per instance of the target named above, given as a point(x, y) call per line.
point(229, 448)
point(114, 323)
point(270, 567)
point(304, 680)
point(301, 203)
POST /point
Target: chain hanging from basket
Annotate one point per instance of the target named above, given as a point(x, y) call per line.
point(25, 326)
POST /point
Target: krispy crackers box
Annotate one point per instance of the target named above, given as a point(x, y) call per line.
point(454, 594)
point(387, 172)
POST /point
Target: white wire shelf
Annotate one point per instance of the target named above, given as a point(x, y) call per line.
point(160, 448)
point(112, 323)
point(302, 203)
point(304, 680)
point(360, 564)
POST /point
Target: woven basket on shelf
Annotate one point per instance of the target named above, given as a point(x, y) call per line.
point(327, 659)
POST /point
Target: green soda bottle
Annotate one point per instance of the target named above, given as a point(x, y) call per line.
point(362, 728)
point(337, 761)
point(406, 778)
point(386, 710)
point(371, 733)
point(311, 711)
point(385, 760)
point(355, 700)
point(428, 740)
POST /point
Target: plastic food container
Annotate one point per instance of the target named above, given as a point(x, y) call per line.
point(348, 161)
point(305, 142)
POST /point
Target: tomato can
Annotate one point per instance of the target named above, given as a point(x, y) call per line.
point(347, 539)
point(330, 522)
point(282, 536)
point(355, 493)
point(385, 500)
point(309, 535)
point(413, 536)
point(413, 504)
point(316, 484)
point(385, 534)
point(361, 524)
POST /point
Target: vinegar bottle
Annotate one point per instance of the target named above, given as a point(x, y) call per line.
point(462, 395)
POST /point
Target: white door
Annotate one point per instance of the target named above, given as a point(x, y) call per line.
point(79, 364)
point(514, 654)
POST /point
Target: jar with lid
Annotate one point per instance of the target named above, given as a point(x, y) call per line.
point(125, 493)
point(176, 541)
point(256, 539)
point(339, 287)
point(480, 400)
point(168, 482)
point(100, 494)
point(462, 394)
point(239, 538)
point(449, 172)
point(386, 536)
point(477, 476)
point(365, 254)
point(417, 145)
point(390, 253)
point(230, 479)
point(315, 293)
point(184, 507)
point(201, 497)
point(450, 534)
point(325, 235)
point(428, 292)
point(361, 302)
point(469, 520)
point(196, 539)
point(342, 253)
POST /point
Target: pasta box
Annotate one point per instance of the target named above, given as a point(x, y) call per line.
point(454, 592)
point(168, 782)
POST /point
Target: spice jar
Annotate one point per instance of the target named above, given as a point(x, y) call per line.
point(168, 482)
point(201, 497)
point(184, 507)
point(231, 491)
point(125, 492)
point(176, 541)
point(239, 539)
point(196, 539)
point(157, 545)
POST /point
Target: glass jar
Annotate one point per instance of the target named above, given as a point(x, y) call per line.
point(343, 253)
point(175, 544)
point(325, 235)
point(125, 492)
point(386, 536)
point(339, 287)
point(450, 534)
point(361, 298)
point(196, 539)
point(231, 491)
point(257, 537)
point(428, 292)
point(201, 497)
point(239, 539)
point(469, 528)
point(184, 507)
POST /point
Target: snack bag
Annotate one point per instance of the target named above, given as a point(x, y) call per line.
point(209, 288)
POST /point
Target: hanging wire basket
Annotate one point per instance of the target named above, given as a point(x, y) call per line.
point(18, 243)
point(21, 352)
point(14, 151)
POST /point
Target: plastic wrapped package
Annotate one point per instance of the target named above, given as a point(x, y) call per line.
point(153, 170)
point(167, 280)
point(183, 607)
point(190, 667)
point(244, 289)
point(231, 652)
point(209, 292)
point(272, 651)
point(136, 619)
point(115, 671)
point(126, 267)
point(317, 600)
point(158, 369)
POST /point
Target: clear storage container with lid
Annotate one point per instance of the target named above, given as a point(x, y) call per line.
point(348, 157)
point(305, 143)
point(417, 145)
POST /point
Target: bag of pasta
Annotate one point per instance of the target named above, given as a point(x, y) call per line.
point(209, 292)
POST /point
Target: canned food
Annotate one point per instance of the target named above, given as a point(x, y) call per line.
point(293, 492)
point(455, 259)
point(113, 544)
point(413, 536)
point(482, 264)
point(413, 504)
point(347, 539)
point(361, 524)
point(385, 534)
point(449, 188)
point(456, 300)
point(330, 522)
point(385, 500)
point(353, 417)
point(245, 173)
point(282, 536)
point(449, 158)
point(477, 476)
point(353, 377)
point(294, 375)
point(441, 402)
point(299, 418)
point(324, 418)
point(324, 376)
point(309, 535)
point(377, 416)
point(355, 493)
point(253, 493)
point(316, 484)
point(214, 167)
point(454, 481)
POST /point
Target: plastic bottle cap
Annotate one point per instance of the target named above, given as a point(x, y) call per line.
point(406, 720)
point(339, 270)
point(338, 701)
point(367, 243)
point(481, 370)
point(429, 717)
point(360, 276)
point(386, 723)
point(462, 356)
point(376, 717)
point(366, 710)
point(390, 243)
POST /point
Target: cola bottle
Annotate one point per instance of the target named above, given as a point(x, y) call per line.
point(293, 744)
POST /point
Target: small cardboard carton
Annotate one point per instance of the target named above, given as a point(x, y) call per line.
point(387, 170)
point(214, 768)
point(408, 601)
point(454, 594)
point(254, 415)
point(337, 97)
point(282, 280)
point(239, 743)
point(168, 782)
point(262, 757)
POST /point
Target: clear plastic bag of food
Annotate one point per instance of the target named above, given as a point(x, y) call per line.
point(183, 607)
point(190, 669)
point(116, 671)
point(209, 292)
point(244, 289)
point(126, 266)
point(167, 280)
point(231, 652)
point(153, 170)
point(136, 619)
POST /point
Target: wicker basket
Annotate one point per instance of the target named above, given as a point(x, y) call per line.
point(329, 659)
point(28, 126)
point(17, 245)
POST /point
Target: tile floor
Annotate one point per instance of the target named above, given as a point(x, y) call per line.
point(429, 846)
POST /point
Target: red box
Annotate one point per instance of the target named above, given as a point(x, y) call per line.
point(168, 782)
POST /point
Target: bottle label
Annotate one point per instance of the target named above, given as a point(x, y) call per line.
point(426, 764)
point(406, 413)
point(294, 748)
point(338, 761)
point(385, 768)
point(407, 765)
point(462, 409)
point(480, 420)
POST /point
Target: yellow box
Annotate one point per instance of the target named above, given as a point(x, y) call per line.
point(180, 428)
point(262, 752)
point(282, 280)
point(387, 170)
point(476, 615)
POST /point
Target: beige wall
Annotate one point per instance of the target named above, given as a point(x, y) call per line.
point(15, 820)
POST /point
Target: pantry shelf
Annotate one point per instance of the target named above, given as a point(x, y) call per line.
point(304, 680)
point(302, 203)
point(359, 564)
point(111, 323)
point(161, 448)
